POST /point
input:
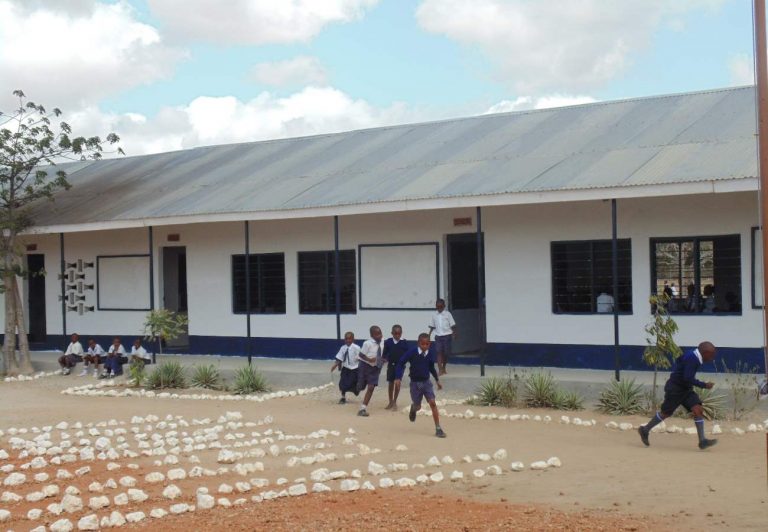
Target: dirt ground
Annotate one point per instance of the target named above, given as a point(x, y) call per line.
point(608, 480)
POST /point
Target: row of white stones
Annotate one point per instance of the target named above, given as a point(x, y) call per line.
point(110, 389)
point(34, 377)
point(567, 420)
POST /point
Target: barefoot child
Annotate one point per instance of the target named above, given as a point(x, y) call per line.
point(394, 349)
point(679, 391)
point(346, 360)
point(422, 363)
point(370, 367)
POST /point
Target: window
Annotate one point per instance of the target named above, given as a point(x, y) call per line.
point(582, 277)
point(701, 275)
point(267, 283)
point(317, 283)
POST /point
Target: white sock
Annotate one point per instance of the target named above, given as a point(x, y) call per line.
point(363, 406)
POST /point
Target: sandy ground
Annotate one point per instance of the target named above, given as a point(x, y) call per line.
point(608, 480)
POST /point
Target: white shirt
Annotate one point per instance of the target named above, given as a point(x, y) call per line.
point(120, 350)
point(372, 348)
point(698, 355)
point(347, 355)
point(95, 350)
point(442, 322)
point(74, 348)
point(140, 352)
point(605, 302)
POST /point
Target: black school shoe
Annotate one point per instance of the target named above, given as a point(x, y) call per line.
point(644, 435)
point(706, 444)
point(439, 433)
point(363, 412)
point(412, 414)
point(343, 401)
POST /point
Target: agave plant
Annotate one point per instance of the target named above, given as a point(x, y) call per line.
point(540, 390)
point(249, 380)
point(206, 377)
point(621, 398)
point(568, 400)
point(168, 375)
point(496, 391)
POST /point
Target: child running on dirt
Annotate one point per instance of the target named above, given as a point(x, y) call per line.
point(347, 362)
point(422, 364)
point(394, 349)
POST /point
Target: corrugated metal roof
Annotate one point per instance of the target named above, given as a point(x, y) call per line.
point(685, 138)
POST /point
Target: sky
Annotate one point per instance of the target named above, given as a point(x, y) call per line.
point(175, 74)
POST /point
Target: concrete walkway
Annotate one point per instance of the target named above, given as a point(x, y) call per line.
point(462, 380)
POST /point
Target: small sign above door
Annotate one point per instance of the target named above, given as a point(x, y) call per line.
point(462, 221)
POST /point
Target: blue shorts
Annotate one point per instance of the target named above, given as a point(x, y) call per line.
point(367, 375)
point(422, 390)
point(675, 396)
point(443, 346)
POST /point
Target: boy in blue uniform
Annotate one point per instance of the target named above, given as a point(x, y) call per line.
point(394, 349)
point(422, 363)
point(679, 391)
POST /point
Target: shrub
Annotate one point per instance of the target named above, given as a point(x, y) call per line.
point(540, 390)
point(168, 375)
point(743, 384)
point(206, 377)
point(568, 400)
point(621, 398)
point(249, 380)
point(137, 373)
point(497, 391)
point(712, 402)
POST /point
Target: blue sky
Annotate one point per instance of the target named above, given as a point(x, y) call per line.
point(185, 73)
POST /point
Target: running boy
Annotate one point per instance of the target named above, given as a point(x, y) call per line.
point(444, 327)
point(368, 371)
point(679, 391)
point(72, 355)
point(394, 349)
point(347, 362)
point(422, 365)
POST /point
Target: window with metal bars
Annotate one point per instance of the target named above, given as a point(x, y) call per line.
point(267, 283)
point(700, 275)
point(317, 282)
point(582, 277)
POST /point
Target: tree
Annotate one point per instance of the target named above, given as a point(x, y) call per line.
point(661, 348)
point(31, 148)
point(163, 324)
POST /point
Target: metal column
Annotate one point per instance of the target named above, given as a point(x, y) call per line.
point(151, 239)
point(248, 291)
point(337, 275)
point(481, 289)
point(63, 288)
point(615, 269)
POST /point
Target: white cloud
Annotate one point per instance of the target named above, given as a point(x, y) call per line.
point(301, 70)
point(79, 52)
point(254, 21)
point(523, 103)
point(573, 46)
point(741, 69)
point(220, 120)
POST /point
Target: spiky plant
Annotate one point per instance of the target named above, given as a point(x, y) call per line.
point(206, 377)
point(249, 380)
point(621, 398)
point(137, 373)
point(540, 390)
point(496, 391)
point(168, 375)
point(568, 400)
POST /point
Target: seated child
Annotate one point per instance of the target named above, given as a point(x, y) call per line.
point(139, 354)
point(93, 357)
point(113, 365)
point(71, 356)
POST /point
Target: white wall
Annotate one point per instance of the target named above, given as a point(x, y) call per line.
point(518, 268)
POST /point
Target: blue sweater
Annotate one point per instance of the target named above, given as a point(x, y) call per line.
point(422, 365)
point(684, 372)
point(394, 351)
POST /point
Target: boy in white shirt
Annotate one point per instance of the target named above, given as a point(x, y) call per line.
point(138, 353)
point(113, 365)
point(94, 356)
point(72, 355)
point(347, 362)
point(444, 327)
point(368, 371)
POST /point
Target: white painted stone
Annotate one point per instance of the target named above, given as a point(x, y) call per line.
point(405, 482)
point(401, 448)
point(35, 496)
point(157, 513)
point(433, 462)
point(737, 431)
point(716, 429)
point(51, 490)
point(501, 454)
point(224, 502)
point(15, 479)
point(483, 457)
point(225, 488)
point(154, 477)
point(447, 460)
point(121, 499)
point(5, 515)
point(177, 474)
point(297, 490)
point(179, 508)
point(478, 473)
point(34, 514)
point(205, 501)
point(136, 495)
point(625, 426)
point(127, 482)
point(171, 492)
point(386, 482)
point(71, 503)
point(9, 496)
point(95, 503)
point(116, 519)
point(54, 508)
point(135, 517)
point(467, 459)
point(456, 475)
point(554, 462)
point(422, 479)
point(88, 522)
point(349, 484)
point(436, 477)
point(62, 525)
point(539, 465)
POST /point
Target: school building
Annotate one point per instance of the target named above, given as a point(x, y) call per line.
point(273, 248)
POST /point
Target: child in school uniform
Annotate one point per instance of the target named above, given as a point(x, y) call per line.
point(679, 391)
point(113, 365)
point(92, 357)
point(444, 327)
point(394, 349)
point(72, 355)
point(369, 368)
point(422, 363)
point(347, 362)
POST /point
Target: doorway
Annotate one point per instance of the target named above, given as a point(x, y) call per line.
point(36, 299)
point(174, 284)
point(463, 297)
